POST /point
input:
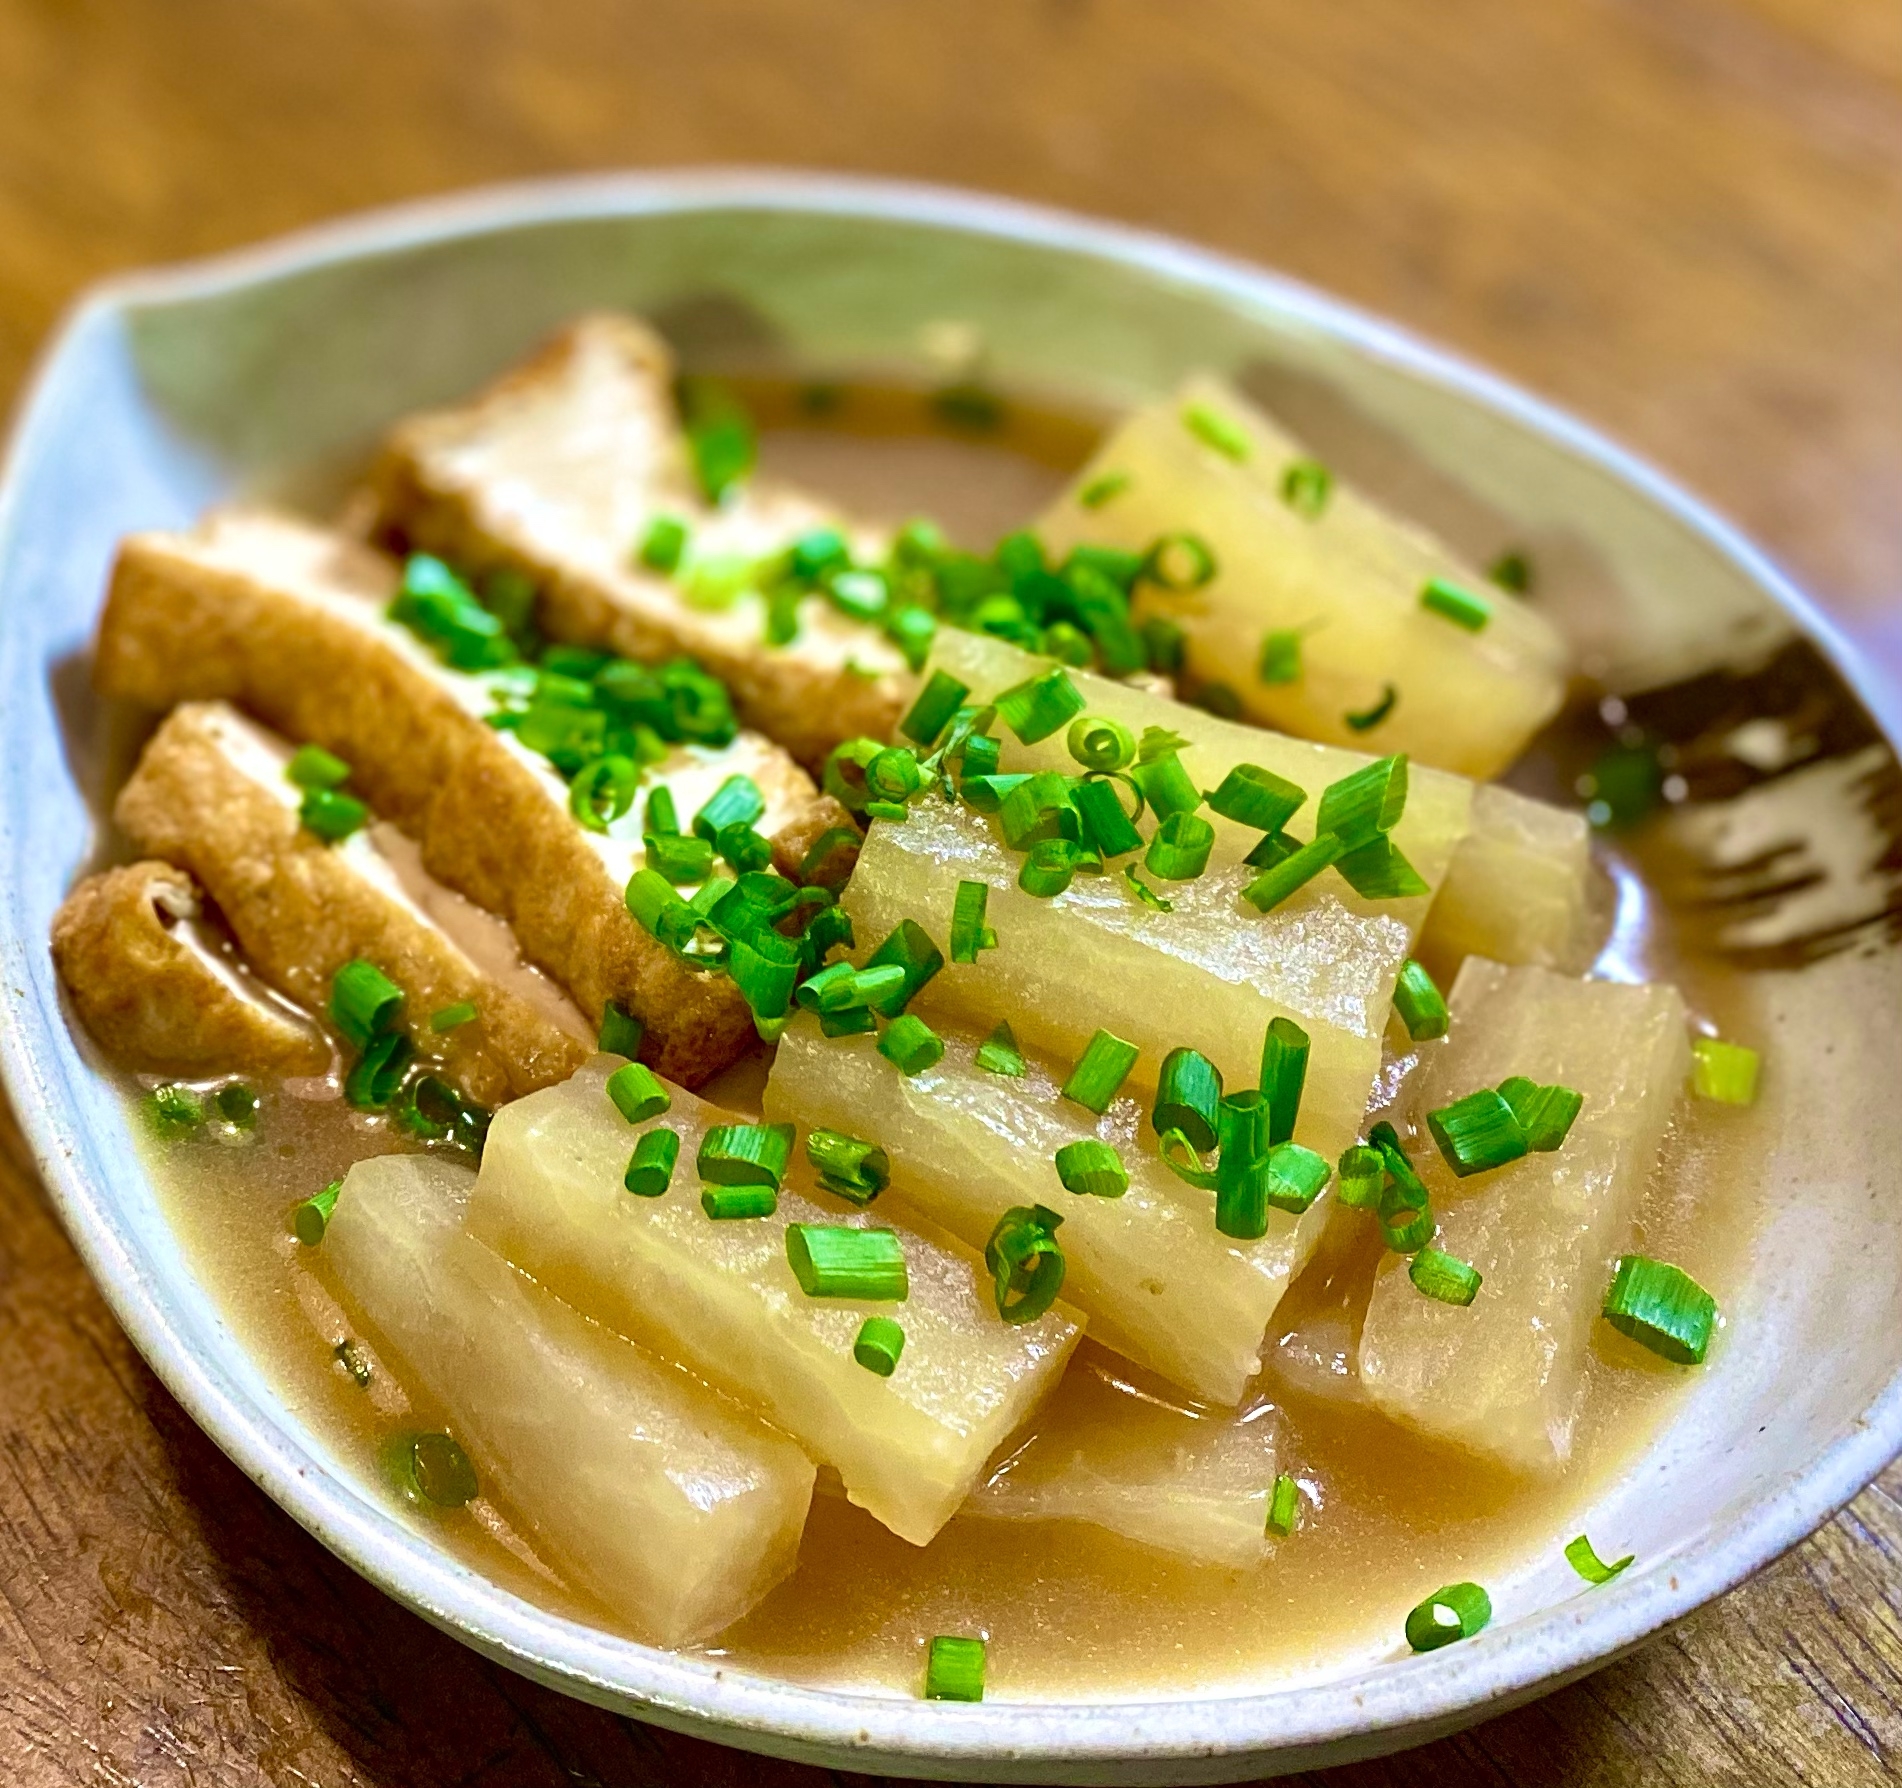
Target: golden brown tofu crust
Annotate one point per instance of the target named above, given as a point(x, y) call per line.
point(807, 701)
point(300, 909)
point(252, 608)
point(148, 992)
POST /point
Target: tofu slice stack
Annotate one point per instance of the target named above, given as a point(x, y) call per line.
point(721, 1299)
point(1349, 579)
point(287, 621)
point(645, 1489)
point(1193, 1483)
point(1157, 1280)
point(210, 793)
point(1502, 1376)
point(558, 469)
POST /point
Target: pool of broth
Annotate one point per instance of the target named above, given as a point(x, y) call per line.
point(1069, 1610)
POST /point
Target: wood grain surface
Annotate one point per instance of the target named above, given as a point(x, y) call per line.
point(1681, 217)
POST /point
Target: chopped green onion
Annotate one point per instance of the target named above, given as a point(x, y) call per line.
point(1378, 870)
point(954, 1670)
point(1360, 1177)
point(662, 820)
point(738, 1204)
point(834, 1261)
point(1143, 892)
point(433, 1468)
point(1165, 784)
point(450, 1018)
point(723, 447)
point(1158, 742)
point(1456, 1612)
point(999, 1054)
point(1284, 1072)
point(1283, 1506)
point(1100, 1070)
point(931, 713)
point(821, 866)
point(840, 987)
point(1101, 489)
point(1661, 1307)
point(745, 849)
point(175, 1110)
point(1241, 1205)
point(910, 949)
point(969, 933)
point(1412, 1235)
point(1257, 798)
point(860, 595)
point(621, 1032)
point(1215, 430)
point(857, 1021)
point(1293, 1177)
point(1442, 596)
point(911, 629)
point(1364, 720)
point(1477, 1133)
point(1051, 866)
point(894, 776)
point(765, 968)
point(679, 859)
point(1038, 807)
point(1725, 1072)
point(744, 1154)
point(1099, 808)
point(603, 791)
point(1100, 744)
point(1179, 852)
point(1120, 566)
point(1581, 1556)
point(310, 1219)
point(237, 1104)
point(1025, 1262)
point(1419, 1003)
point(650, 1170)
point(979, 756)
point(1179, 562)
point(843, 776)
point(373, 1081)
point(1512, 571)
point(1178, 1154)
point(1409, 1190)
point(652, 901)
point(1037, 708)
point(1275, 847)
point(910, 1045)
point(363, 1001)
point(1441, 1277)
point(1092, 1168)
point(1188, 1097)
point(663, 544)
point(332, 816)
point(848, 1168)
point(637, 1093)
point(880, 1345)
point(311, 766)
point(1545, 1113)
point(1366, 805)
point(1280, 659)
point(736, 802)
point(1269, 889)
point(816, 552)
point(1305, 485)
point(1217, 699)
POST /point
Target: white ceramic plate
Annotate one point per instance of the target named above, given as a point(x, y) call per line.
point(163, 393)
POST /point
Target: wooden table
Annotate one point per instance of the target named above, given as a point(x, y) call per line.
point(1681, 217)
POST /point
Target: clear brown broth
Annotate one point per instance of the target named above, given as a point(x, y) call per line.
point(1069, 1610)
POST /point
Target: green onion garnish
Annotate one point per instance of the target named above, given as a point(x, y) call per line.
point(1545, 1113)
point(1035, 808)
point(910, 1045)
point(909, 949)
point(931, 713)
point(1269, 889)
point(662, 819)
point(1725, 1072)
point(738, 1204)
point(1292, 1177)
point(999, 1054)
point(1420, 1004)
point(363, 1001)
point(1101, 489)
point(832, 1261)
point(1165, 784)
point(237, 1104)
point(979, 757)
point(1661, 1307)
point(1178, 1154)
point(1580, 1555)
point(1179, 852)
point(736, 802)
point(1366, 805)
point(621, 1032)
point(744, 1154)
point(1166, 642)
point(765, 967)
point(311, 766)
point(1180, 562)
point(637, 1093)
point(1215, 430)
point(723, 447)
point(969, 933)
point(826, 863)
point(332, 816)
point(378, 1072)
point(1305, 484)
point(663, 544)
point(1037, 708)
point(174, 1110)
point(1379, 870)
point(1456, 1612)
point(1143, 892)
point(1100, 1070)
point(1092, 1168)
point(954, 1670)
point(650, 1170)
point(1188, 1098)
point(679, 859)
point(749, 851)
point(1283, 1506)
point(1441, 1277)
point(1364, 720)
point(310, 1219)
point(911, 629)
point(1284, 1072)
point(843, 774)
point(816, 552)
point(1257, 798)
point(603, 791)
point(1477, 1133)
point(840, 987)
point(1241, 1204)
point(1360, 1177)
point(880, 1345)
point(1100, 744)
point(1411, 1236)
point(1099, 808)
point(1051, 866)
point(1512, 571)
point(848, 1168)
point(449, 1018)
point(1280, 660)
point(858, 1021)
point(431, 1468)
point(1274, 847)
point(1025, 1262)
point(1442, 596)
point(893, 777)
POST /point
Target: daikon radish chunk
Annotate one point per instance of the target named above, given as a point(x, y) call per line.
point(1347, 578)
point(1502, 1375)
point(1157, 1280)
point(1195, 1483)
point(720, 1298)
point(643, 1487)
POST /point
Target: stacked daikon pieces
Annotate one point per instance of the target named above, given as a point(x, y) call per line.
point(641, 1485)
point(1342, 574)
point(1502, 1376)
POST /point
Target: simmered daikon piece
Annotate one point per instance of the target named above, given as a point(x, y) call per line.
point(721, 1298)
point(1502, 1375)
point(1474, 674)
point(1156, 1278)
point(1195, 1483)
point(676, 1509)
